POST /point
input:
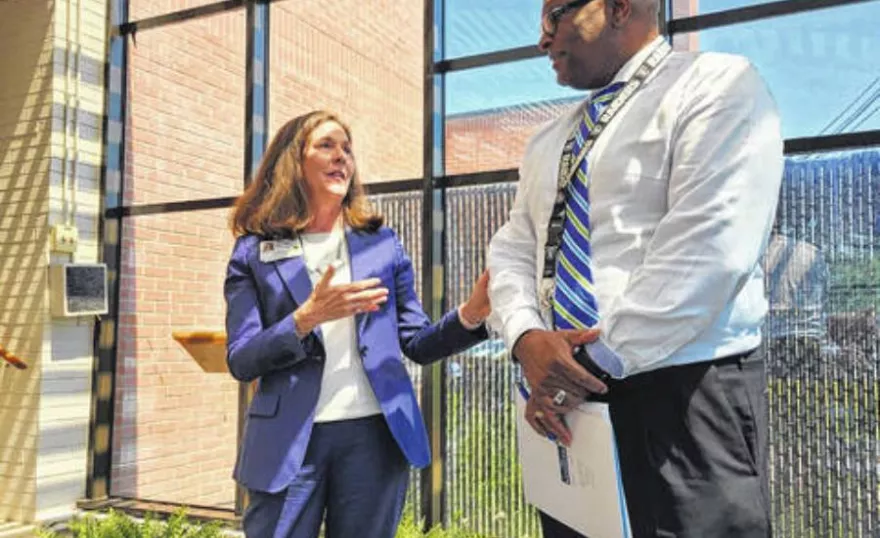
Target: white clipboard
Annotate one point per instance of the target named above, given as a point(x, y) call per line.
point(593, 501)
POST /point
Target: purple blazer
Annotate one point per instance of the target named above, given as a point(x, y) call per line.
point(262, 344)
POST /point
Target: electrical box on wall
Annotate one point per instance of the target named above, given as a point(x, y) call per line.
point(78, 289)
point(64, 238)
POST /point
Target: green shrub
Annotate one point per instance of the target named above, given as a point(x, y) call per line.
point(120, 525)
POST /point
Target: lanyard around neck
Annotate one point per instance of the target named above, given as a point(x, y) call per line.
point(568, 165)
point(661, 50)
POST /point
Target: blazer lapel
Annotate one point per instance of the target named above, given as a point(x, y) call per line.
point(295, 277)
point(359, 261)
point(296, 281)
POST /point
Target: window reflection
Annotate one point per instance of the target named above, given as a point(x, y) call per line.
point(821, 66)
point(820, 266)
point(492, 111)
point(480, 26)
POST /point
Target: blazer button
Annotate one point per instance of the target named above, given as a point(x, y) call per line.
point(363, 350)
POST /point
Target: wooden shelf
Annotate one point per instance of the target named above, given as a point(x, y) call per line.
point(207, 348)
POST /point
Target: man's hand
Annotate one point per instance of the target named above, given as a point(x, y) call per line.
point(558, 382)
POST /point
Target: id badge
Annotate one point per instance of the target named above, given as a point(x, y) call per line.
point(279, 249)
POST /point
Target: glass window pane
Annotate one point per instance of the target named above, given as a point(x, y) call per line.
point(174, 436)
point(403, 213)
point(480, 26)
point(141, 9)
point(480, 384)
point(186, 106)
point(492, 111)
point(340, 56)
point(690, 8)
point(821, 66)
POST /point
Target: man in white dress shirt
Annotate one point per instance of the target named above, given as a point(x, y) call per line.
point(679, 191)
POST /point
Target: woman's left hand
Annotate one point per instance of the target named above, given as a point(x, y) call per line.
point(477, 307)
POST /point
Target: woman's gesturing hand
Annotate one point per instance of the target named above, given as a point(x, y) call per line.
point(328, 302)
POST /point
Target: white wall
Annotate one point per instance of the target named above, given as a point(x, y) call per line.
point(45, 410)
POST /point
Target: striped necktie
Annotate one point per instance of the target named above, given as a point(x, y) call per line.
point(574, 300)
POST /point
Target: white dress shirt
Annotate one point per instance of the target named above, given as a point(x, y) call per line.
point(346, 392)
point(684, 187)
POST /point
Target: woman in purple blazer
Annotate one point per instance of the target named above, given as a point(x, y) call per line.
point(321, 307)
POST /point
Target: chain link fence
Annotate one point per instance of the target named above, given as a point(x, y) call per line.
point(822, 336)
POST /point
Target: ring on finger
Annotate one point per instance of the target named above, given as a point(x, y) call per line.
point(539, 420)
point(559, 397)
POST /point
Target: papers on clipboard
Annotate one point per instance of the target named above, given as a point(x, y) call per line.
point(592, 502)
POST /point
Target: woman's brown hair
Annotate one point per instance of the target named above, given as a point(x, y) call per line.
point(276, 203)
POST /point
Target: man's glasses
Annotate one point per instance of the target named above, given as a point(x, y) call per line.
point(550, 20)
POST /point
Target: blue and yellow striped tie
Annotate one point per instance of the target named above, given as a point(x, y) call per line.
point(574, 300)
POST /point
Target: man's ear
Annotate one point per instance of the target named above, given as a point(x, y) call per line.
point(621, 11)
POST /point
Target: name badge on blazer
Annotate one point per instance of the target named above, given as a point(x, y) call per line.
point(279, 249)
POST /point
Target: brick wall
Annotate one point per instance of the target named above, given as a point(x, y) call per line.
point(362, 60)
point(496, 139)
point(175, 425)
point(141, 9)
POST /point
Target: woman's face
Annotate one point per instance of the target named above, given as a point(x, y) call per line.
point(328, 164)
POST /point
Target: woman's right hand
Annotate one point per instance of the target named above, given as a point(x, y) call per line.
point(328, 302)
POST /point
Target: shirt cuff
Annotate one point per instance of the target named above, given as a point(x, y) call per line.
point(606, 358)
point(517, 325)
point(465, 323)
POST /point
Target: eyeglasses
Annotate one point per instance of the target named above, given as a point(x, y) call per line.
point(550, 20)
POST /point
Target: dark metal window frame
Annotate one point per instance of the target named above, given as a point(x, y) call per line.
point(256, 139)
point(431, 477)
point(751, 13)
point(106, 331)
point(433, 184)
